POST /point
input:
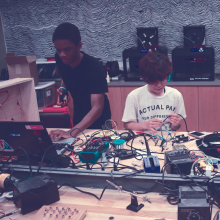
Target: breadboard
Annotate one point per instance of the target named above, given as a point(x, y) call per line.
point(60, 213)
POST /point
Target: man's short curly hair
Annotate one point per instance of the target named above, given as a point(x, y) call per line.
point(155, 67)
point(67, 31)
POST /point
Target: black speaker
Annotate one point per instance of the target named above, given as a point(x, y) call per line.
point(194, 36)
point(147, 37)
point(131, 58)
point(193, 64)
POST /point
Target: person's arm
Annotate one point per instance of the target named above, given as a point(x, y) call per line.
point(174, 118)
point(142, 126)
point(97, 104)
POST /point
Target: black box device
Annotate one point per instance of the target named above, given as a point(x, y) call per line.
point(193, 203)
point(182, 160)
point(32, 194)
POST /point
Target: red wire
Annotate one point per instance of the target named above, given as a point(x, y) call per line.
point(4, 113)
point(22, 111)
point(25, 115)
point(74, 158)
point(4, 103)
point(2, 213)
point(96, 140)
point(6, 98)
point(20, 108)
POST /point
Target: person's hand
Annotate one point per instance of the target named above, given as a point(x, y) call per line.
point(56, 135)
point(153, 123)
point(174, 119)
point(64, 103)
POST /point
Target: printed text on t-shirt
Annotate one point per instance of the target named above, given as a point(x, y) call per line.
point(156, 107)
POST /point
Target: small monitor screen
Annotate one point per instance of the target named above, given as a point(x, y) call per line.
point(47, 70)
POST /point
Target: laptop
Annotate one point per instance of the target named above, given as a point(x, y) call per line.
point(32, 136)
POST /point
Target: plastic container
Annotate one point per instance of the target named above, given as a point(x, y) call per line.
point(45, 92)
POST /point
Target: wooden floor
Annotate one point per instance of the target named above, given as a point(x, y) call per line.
point(112, 204)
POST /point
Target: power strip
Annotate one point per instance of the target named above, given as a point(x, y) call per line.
point(60, 213)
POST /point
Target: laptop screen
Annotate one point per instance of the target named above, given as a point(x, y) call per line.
point(32, 136)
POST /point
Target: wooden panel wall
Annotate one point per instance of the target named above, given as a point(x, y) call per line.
point(115, 100)
point(201, 104)
point(209, 109)
point(190, 97)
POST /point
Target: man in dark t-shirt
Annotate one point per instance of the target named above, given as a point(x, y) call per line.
point(84, 77)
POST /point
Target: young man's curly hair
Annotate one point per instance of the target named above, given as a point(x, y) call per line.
point(155, 67)
point(67, 31)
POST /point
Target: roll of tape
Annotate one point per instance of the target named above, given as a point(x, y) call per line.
point(9, 195)
point(3, 176)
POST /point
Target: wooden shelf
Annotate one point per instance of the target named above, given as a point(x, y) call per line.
point(21, 104)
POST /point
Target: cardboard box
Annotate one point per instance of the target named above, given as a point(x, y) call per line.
point(22, 67)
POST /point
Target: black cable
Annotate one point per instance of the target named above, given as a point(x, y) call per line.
point(87, 163)
point(95, 164)
point(172, 193)
point(147, 146)
point(43, 158)
point(28, 160)
point(173, 200)
point(99, 198)
point(80, 131)
point(139, 171)
point(63, 155)
point(110, 129)
point(67, 184)
point(8, 159)
point(180, 116)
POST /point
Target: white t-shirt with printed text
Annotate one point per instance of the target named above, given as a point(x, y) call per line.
point(141, 105)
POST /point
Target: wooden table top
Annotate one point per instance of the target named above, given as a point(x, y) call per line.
point(113, 203)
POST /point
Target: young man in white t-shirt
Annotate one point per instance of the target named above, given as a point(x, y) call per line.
point(148, 106)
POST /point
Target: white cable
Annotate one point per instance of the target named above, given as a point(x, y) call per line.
point(192, 168)
point(114, 123)
point(140, 41)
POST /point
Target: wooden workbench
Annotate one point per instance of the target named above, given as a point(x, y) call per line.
point(113, 203)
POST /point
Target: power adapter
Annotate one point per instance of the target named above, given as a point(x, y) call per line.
point(126, 154)
point(181, 138)
point(179, 161)
point(193, 203)
point(151, 164)
point(32, 194)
